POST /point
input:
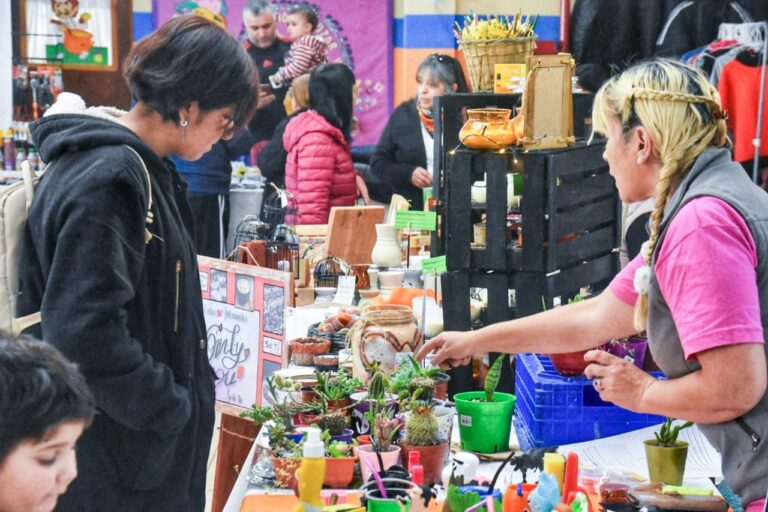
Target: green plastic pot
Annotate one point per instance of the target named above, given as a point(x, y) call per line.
point(484, 427)
point(666, 464)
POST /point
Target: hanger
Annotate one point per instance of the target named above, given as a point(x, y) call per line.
point(752, 35)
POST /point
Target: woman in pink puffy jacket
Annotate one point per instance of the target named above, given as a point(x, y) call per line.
point(319, 173)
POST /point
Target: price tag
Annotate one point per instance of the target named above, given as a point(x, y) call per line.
point(345, 292)
point(414, 219)
point(434, 265)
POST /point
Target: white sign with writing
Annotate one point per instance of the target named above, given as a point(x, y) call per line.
point(345, 292)
point(233, 351)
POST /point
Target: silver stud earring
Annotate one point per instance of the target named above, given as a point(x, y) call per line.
point(184, 123)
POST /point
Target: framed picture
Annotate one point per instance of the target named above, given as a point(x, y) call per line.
point(548, 102)
point(244, 308)
point(75, 34)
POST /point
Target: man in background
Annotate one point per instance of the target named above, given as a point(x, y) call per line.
point(268, 52)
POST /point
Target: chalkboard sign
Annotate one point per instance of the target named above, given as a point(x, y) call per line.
point(244, 308)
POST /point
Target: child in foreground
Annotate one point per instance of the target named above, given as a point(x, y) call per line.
point(307, 50)
point(45, 405)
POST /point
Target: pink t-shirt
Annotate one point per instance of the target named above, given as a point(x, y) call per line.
point(706, 270)
point(756, 506)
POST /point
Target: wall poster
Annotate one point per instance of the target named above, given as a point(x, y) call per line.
point(244, 308)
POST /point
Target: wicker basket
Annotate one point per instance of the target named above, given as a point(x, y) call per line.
point(482, 56)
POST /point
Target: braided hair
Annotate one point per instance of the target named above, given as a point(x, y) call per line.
point(681, 112)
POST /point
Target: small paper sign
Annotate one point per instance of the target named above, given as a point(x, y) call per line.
point(345, 292)
point(414, 219)
point(434, 265)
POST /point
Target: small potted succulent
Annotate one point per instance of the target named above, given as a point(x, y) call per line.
point(364, 401)
point(411, 376)
point(337, 389)
point(381, 454)
point(339, 463)
point(485, 417)
point(422, 435)
point(666, 455)
point(286, 456)
point(259, 415)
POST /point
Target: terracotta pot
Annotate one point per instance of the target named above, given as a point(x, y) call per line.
point(285, 472)
point(304, 349)
point(488, 128)
point(569, 364)
point(432, 458)
point(441, 386)
point(383, 332)
point(309, 395)
point(339, 472)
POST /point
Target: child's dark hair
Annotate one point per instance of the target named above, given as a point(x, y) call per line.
point(307, 12)
point(39, 390)
point(330, 95)
point(191, 59)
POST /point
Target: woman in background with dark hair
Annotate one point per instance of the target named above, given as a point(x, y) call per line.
point(401, 163)
point(110, 262)
point(319, 172)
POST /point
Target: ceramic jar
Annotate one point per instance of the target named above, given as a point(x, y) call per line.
point(488, 128)
point(382, 332)
point(386, 251)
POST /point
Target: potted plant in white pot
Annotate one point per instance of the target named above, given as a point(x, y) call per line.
point(666, 455)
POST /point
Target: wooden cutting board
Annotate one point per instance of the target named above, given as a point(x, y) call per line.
point(352, 232)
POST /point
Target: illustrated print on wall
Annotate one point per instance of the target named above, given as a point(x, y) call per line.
point(78, 45)
point(274, 309)
point(214, 10)
point(218, 285)
point(244, 292)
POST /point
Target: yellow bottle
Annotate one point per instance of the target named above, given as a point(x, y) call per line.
point(311, 473)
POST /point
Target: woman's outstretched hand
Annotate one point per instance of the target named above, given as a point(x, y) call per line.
point(451, 349)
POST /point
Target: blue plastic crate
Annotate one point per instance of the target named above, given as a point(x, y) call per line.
point(554, 410)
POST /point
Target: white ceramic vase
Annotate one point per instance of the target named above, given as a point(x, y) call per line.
point(386, 251)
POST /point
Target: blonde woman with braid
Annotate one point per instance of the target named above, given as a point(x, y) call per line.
point(697, 286)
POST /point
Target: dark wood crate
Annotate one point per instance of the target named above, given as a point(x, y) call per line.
point(570, 209)
point(532, 291)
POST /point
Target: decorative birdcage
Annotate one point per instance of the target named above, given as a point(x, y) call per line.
point(328, 270)
point(283, 249)
point(276, 207)
point(250, 229)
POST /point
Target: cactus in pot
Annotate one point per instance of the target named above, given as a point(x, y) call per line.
point(334, 422)
point(421, 427)
point(422, 436)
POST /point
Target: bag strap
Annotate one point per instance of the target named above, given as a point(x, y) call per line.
point(149, 219)
point(24, 322)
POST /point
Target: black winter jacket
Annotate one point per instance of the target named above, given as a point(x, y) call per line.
point(128, 313)
point(399, 152)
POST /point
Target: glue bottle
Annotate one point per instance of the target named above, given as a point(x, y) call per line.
point(311, 473)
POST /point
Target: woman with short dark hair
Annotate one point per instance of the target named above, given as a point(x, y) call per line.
point(319, 172)
point(110, 262)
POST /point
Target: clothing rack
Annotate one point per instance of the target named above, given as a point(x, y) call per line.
point(754, 35)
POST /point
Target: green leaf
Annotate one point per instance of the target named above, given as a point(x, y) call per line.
point(492, 377)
